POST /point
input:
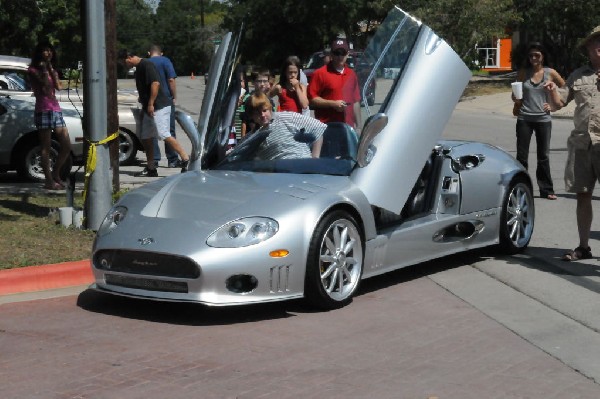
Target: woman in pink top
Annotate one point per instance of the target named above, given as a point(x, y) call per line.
point(290, 92)
point(48, 115)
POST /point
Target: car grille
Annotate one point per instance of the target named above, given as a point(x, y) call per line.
point(146, 283)
point(148, 263)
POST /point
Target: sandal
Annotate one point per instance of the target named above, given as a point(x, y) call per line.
point(61, 183)
point(551, 197)
point(53, 186)
point(577, 254)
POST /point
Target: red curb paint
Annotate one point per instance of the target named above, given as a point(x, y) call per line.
point(39, 278)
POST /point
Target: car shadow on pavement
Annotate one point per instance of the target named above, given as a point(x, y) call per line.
point(420, 270)
point(193, 314)
point(181, 313)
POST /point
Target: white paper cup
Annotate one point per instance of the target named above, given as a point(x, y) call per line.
point(517, 89)
point(65, 215)
point(77, 218)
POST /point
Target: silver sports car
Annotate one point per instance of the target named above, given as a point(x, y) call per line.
point(241, 228)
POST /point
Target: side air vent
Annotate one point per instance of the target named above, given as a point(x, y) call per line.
point(279, 279)
point(459, 231)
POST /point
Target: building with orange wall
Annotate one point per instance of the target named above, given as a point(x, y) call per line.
point(497, 57)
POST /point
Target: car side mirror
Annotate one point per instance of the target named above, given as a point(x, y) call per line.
point(373, 126)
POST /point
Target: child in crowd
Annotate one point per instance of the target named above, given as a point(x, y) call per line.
point(262, 83)
point(290, 91)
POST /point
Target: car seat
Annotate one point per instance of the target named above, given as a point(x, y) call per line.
point(340, 141)
point(416, 201)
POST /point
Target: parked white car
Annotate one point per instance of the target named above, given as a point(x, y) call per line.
point(19, 142)
point(14, 83)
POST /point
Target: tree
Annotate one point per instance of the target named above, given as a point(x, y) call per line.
point(24, 23)
point(134, 21)
point(185, 38)
point(275, 30)
point(466, 23)
point(559, 25)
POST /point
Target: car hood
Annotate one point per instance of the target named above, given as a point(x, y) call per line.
point(216, 197)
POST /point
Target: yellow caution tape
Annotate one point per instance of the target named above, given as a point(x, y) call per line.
point(90, 164)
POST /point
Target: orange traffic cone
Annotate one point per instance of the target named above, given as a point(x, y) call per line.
point(192, 77)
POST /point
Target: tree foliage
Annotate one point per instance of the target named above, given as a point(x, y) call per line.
point(188, 29)
point(23, 23)
point(275, 30)
point(464, 24)
point(177, 27)
point(559, 25)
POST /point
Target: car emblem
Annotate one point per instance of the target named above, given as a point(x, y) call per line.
point(145, 240)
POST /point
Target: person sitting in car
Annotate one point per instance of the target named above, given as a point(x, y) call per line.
point(290, 135)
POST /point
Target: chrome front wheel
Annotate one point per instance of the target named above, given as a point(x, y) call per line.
point(517, 219)
point(335, 262)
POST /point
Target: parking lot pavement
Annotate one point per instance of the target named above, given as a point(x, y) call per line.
point(501, 104)
point(402, 337)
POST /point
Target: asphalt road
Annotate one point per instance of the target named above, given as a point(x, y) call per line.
point(467, 326)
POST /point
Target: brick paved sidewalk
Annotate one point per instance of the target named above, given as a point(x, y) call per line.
point(402, 337)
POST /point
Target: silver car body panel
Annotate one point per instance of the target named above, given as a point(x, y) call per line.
point(159, 209)
point(297, 205)
point(415, 199)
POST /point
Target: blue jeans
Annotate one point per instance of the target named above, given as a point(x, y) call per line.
point(543, 131)
point(171, 154)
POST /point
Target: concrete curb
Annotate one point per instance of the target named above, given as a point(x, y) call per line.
point(46, 277)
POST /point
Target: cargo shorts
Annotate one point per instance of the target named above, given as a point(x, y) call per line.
point(583, 165)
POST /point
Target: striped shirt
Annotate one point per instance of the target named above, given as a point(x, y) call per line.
point(290, 136)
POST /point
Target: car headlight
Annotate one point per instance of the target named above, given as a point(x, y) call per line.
point(113, 218)
point(243, 232)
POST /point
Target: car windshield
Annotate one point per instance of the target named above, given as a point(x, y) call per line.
point(316, 61)
point(379, 68)
point(14, 81)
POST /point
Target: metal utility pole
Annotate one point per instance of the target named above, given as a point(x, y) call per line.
point(111, 68)
point(99, 194)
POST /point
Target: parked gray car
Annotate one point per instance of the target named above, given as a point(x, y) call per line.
point(14, 83)
point(19, 142)
point(241, 228)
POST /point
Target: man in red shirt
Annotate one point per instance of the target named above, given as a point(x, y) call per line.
point(333, 91)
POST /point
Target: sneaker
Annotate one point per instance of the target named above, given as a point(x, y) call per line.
point(184, 165)
point(147, 173)
point(175, 164)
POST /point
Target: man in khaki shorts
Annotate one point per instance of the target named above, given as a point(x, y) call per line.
point(583, 163)
point(156, 112)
